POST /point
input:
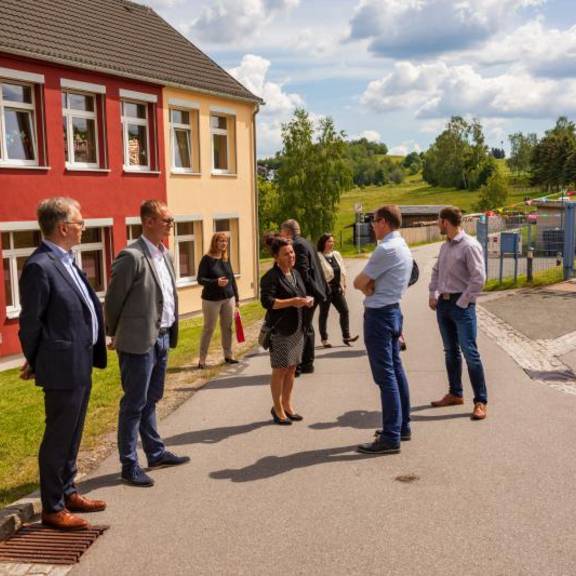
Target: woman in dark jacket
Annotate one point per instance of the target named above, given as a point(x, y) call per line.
point(219, 297)
point(283, 294)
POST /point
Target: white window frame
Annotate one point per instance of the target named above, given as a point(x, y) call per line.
point(126, 120)
point(12, 254)
point(182, 280)
point(220, 132)
point(93, 247)
point(69, 114)
point(178, 126)
point(20, 106)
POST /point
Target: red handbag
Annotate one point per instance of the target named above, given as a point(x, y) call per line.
point(239, 328)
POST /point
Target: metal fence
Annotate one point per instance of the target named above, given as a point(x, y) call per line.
point(529, 245)
point(431, 233)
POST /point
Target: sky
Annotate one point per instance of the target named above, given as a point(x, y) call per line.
point(393, 71)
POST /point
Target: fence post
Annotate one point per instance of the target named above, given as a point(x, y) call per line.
point(482, 237)
point(569, 239)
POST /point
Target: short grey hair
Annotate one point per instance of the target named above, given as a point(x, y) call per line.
point(292, 226)
point(52, 211)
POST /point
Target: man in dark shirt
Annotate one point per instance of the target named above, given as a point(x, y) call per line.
point(308, 265)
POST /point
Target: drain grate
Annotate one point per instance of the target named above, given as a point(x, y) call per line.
point(37, 544)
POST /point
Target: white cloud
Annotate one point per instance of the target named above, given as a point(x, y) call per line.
point(232, 21)
point(404, 148)
point(440, 90)
point(252, 74)
point(371, 136)
point(416, 28)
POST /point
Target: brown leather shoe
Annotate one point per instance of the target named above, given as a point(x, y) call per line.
point(479, 412)
point(77, 503)
point(63, 520)
point(448, 400)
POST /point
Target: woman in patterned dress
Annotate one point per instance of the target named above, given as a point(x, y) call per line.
point(283, 294)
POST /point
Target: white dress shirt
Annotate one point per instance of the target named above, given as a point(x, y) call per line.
point(158, 255)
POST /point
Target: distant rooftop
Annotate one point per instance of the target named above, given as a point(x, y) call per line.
point(421, 210)
point(116, 37)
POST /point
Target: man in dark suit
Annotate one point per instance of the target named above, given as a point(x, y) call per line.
point(308, 264)
point(142, 319)
point(62, 337)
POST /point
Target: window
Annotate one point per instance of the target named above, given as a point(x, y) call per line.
point(18, 143)
point(184, 141)
point(91, 257)
point(231, 227)
point(133, 232)
point(16, 248)
point(135, 133)
point(80, 129)
point(188, 249)
point(223, 151)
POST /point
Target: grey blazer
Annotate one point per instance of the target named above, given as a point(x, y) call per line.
point(134, 300)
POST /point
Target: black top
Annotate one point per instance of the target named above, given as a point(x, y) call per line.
point(308, 264)
point(209, 270)
point(275, 284)
point(335, 282)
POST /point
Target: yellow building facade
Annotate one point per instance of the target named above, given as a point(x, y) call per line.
point(211, 186)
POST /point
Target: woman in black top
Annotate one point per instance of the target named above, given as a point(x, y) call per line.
point(335, 275)
point(219, 297)
point(283, 294)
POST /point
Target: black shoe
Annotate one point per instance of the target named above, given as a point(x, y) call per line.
point(307, 370)
point(295, 417)
point(201, 366)
point(403, 347)
point(349, 340)
point(379, 447)
point(278, 420)
point(168, 459)
point(404, 436)
point(297, 373)
point(137, 477)
point(231, 361)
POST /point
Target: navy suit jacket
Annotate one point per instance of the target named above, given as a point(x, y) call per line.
point(56, 324)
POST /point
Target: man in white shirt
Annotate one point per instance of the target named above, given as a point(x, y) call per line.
point(142, 319)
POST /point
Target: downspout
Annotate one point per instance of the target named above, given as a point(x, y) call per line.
point(256, 203)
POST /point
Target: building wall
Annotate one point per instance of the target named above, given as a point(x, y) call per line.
point(206, 196)
point(112, 195)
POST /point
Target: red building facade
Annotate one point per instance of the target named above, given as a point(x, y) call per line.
point(71, 132)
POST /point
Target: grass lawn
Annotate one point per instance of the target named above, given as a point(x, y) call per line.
point(545, 278)
point(22, 409)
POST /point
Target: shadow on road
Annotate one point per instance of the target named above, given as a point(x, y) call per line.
point(271, 466)
point(100, 482)
point(239, 382)
point(342, 354)
point(555, 375)
point(361, 419)
point(214, 435)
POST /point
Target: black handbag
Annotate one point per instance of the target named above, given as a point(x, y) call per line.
point(266, 330)
point(415, 274)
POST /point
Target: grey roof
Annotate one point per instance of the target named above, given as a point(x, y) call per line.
point(113, 36)
point(424, 209)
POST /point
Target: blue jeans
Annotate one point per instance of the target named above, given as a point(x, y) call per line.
point(143, 384)
point(382, 327)
point(458, 329)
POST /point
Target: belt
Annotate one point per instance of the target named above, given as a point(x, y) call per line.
point(450, 295)
point(388, 307)
point(163, 331)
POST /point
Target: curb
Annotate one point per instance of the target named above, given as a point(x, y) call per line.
point(16, 514)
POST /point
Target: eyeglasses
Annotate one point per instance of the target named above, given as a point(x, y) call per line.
point(81, 223)
point(376, 220)
point(168, 221)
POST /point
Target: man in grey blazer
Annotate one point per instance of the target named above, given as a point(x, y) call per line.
point(142, 319)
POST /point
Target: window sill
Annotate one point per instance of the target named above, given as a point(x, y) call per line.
point(184, 282)
point(82, 169)
point(225, 174)
point(24, 167)
point(142, 172)
point(176, 172)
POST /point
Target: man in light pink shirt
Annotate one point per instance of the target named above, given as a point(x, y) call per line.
point(457, 279)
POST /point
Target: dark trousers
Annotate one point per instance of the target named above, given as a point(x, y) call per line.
point(309, 338)
point(459, 330)
point(143, 384)
point(65, 415)
point(382, 327)
point(338, 300)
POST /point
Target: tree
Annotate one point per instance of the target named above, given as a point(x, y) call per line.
point(312, 174)
point(521, 150)
point(268, 206)
point(412, 163)
point(494, 193)
point(498, 153)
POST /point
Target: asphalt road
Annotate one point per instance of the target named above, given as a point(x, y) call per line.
point(491, 498)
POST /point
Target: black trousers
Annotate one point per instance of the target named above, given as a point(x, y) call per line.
point(309, 338)
point(338, 300)
point(65, 415)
